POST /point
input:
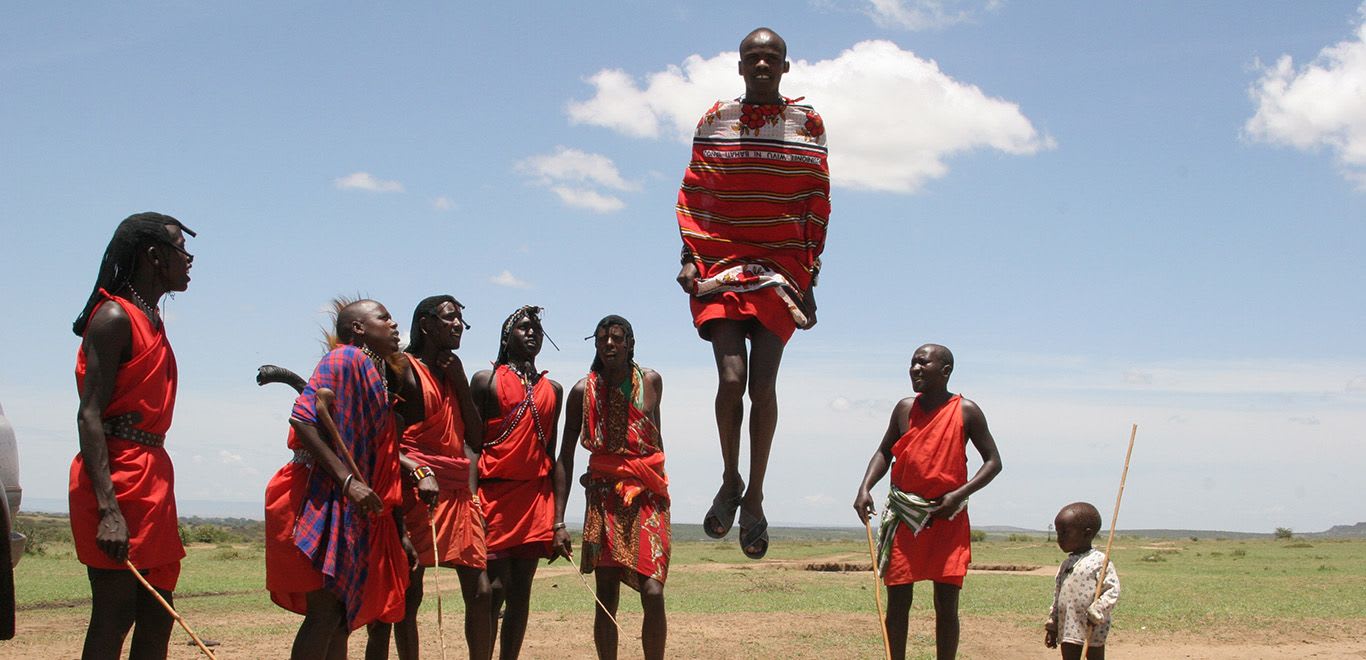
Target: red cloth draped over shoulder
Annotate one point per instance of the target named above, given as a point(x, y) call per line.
point(438, 442)
point(757, 190)
point(357, 557)
point(144, 480)
point(514, 468)
point(931, 460)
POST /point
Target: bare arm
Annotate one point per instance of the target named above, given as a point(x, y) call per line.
point(975, 423)
point(485, 401)
point(107, 345)
point(564, 467)
point(882, 458)
point(654, 395)
point(454, 374)
point(324, 457)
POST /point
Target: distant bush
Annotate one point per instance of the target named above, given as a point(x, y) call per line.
point(1154, 557)
point(1020, 538)
point(1239, 553)
point(1195, 539)
point(1299, 544)
point(1283, 533)
point(977, 536)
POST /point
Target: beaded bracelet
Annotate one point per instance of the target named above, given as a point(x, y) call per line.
point(422, 472)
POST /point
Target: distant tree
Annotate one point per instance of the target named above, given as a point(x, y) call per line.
point(1285, 533)
point(977, 536)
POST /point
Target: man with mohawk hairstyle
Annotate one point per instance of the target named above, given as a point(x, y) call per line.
point(522, 411)
point(336, 549)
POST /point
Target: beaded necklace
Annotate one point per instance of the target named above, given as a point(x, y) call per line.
point(150, 310)
point(379, 364)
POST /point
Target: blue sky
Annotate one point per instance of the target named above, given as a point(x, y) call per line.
point(1112, 214)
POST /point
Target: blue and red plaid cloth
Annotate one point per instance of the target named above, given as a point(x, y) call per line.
point(333, 534)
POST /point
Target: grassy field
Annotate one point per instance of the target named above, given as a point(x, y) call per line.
point(1213, 589)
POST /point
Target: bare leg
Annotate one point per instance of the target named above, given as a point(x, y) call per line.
point(728, 347)
point(323, 633)
point(766, 354)
point(404, 632)
point(1073, 652)
point(518, 591)
point(113, 606)
point(899, 617)
point(474, 586)
point(499, 575)
point(152, 629)
point(377, 640)
point(946, 621)
point(604, 631)
point(654, 632)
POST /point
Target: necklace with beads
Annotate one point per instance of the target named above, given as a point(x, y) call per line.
point(379, 364)
point(150, 310)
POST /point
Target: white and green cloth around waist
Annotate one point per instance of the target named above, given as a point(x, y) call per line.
point(903, 507)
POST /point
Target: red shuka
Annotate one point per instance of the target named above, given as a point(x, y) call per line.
point(930, 460)
point(438, 442)
point(514, 468)
point(144, 480)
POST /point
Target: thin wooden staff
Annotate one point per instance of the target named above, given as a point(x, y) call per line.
point(436, 563)
point(584, 581)
point(169, 610)
point(877, 591)
point(1114, 519)
point(325, 397)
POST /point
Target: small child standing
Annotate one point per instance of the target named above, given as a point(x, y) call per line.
point(1076, 611)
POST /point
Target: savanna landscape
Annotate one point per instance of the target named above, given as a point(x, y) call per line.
point(1183, 597)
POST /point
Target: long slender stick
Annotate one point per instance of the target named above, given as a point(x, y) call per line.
point(325, 397)
point(877, 591)
point(584, 581)
point(169, 610)
point(1114, 519)
point(436, 563)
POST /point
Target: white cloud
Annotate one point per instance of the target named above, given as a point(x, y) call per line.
point(591, 200)
point(443, 203)
point(574, 177)
point(1138, 377)
point(1306, 420)
point(924, 14)
point(229, 458)
point(1320, 105)
point(366, 181)
point(1357, 384)
point(507, 279)
point(578, 166)
point(839, 404)
point(893, 117)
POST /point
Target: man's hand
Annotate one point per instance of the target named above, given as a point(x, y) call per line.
point(112, 535)
point(562, 546)
point(687, 277)
point(408, 549)
point(1050, 634)
point(428, 490)
point(361, 495)
point(863, 505)
point(947, 505)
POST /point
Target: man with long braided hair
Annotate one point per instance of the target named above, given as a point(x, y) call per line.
point(122, 498)
point(439, 457)
point(522, 409)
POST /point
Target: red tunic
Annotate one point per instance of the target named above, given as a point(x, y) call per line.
point(438, 442)
point(931, 460)
point(143, 478)
point(514, 468)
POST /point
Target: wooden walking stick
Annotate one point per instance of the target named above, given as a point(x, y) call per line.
point(325, 398)
point(583, 580)
point(1114, 518)
point(436, 563)
point(169, 610)
point(877, 591)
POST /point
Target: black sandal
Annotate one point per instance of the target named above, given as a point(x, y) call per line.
point(753, 533)
point(721, 515)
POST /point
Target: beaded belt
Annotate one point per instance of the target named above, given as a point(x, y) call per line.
point(121, 427)
point(302, 457)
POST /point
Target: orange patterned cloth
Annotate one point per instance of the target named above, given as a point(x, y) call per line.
point(627, 519)
point(930, 460)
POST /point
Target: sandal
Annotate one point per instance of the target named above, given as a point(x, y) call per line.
point(721, 515)
point(753, 533)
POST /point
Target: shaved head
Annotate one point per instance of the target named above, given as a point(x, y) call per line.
point(939, 351)
point(349, 315)
point(1083, 514)
point(764, 35)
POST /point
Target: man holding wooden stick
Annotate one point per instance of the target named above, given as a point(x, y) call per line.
point(336, 549)
point(925, 532)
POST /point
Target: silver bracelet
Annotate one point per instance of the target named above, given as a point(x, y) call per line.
point(557, 526)
point(346, 485)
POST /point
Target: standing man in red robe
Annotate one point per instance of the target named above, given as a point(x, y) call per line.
point(122, 485)
point(521, 407)
point(614, 412)
point(925, 533)
point(336, 549)
point(752, 212)
point(441, 451)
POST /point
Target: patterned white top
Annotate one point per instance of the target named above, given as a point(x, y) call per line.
point(1073, 611)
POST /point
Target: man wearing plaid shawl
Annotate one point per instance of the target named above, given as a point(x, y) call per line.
point(336, 545)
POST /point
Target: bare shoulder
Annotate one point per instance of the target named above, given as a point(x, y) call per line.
point(108, 327)
point(482, 378)
point(652, 377)
point(579, 388)
point(903, 407)
point(559, 389)
point(971, 409)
